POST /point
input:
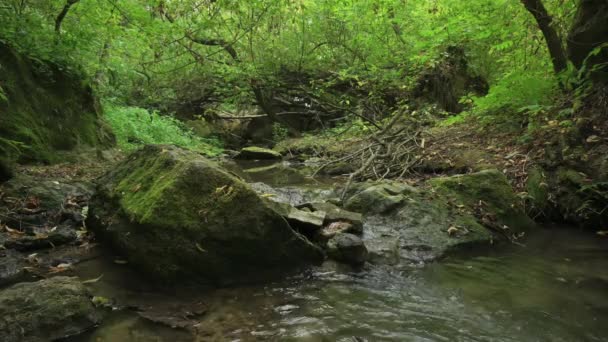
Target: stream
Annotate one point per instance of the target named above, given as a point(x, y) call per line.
point(555, 288)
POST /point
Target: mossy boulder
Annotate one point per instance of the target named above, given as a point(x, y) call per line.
point(447, 215)
point(492, 188)
point(257, 153)
point(44, 109)
point(46, 310)
point(173, 214)
point(378, 198)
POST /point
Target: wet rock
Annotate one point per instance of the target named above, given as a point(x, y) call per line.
point(257, 153)
point(454, 213)
point(293, 195)
point(302, 220)
point(347, 248)
point(30, 201)
point(335, 228)
point(378, 198)
point(333, 213)
point(46, 310)
point(43, 237)
point(174, 213)
point(11, 267)
point(174, 315)
point(499, 208)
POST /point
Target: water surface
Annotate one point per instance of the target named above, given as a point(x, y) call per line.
point(553, 289)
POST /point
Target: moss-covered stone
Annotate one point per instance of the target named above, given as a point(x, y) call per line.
point(450, 214)
point(47, 109)
point(538, 188)
point(174, 213)
point(258, 153)
point(580, 199)
point(378, 198)
point(493, 189)
point(46, 310)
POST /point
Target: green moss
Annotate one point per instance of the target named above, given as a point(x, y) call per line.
point(173, 212)
point(538, 189)
point(46, 109)
point(310, 145)
point(492, 188)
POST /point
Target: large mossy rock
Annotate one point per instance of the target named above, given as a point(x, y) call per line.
point(499, 205)
point(174, 213)
point(46, 310)
point(44, 109)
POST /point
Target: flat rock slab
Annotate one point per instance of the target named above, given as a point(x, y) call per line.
point(46, 310)
point(257, 153)
point(333, 213)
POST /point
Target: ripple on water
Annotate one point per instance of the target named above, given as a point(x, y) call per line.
point(554, 289)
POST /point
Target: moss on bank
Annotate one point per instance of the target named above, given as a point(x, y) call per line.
point(44, 110)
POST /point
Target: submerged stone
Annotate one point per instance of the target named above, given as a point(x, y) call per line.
point(259, 153)
point(174, 213)
point(46, 310)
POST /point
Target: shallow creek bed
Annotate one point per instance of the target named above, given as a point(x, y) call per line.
point(551, 285)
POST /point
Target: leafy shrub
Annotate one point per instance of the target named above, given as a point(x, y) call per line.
point(514, 93)
point(279, 132)
point(135, 127)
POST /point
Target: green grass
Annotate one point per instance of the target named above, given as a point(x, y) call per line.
point(135, 127)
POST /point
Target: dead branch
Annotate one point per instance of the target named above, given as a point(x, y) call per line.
point(390, 152)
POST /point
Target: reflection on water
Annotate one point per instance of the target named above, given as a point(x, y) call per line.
point(554, 289)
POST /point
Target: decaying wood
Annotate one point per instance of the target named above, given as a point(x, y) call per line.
point(390, 152)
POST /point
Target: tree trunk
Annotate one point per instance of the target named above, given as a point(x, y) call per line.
point(589, 30)
point(63, 13)
point(554, 42)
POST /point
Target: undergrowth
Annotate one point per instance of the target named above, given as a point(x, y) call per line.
point(135, 127)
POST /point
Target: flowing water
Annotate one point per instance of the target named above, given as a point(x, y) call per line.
point(555, 288)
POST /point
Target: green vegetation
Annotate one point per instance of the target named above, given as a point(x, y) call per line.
point(362, 86)
point(192, 57)
point(135, 127)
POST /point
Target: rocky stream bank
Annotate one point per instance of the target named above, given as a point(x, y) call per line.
point(178, 218)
